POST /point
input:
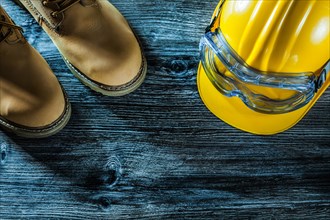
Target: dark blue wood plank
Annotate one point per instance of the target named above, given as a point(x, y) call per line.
point(158, 152)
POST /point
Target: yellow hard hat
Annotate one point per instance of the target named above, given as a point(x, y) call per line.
point(264, 64)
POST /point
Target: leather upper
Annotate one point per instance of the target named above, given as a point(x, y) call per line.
point(30, 94)
point(93, 36)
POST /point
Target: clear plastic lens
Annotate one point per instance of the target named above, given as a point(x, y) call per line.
point(232, 77)
point(294, 81)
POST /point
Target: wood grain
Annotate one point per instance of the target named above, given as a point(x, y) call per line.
point(158, 153)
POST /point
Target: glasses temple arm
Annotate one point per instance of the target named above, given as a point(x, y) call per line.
point(320, 80)
point(210, 26)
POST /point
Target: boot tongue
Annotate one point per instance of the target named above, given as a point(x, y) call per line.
point(63, 3)
point(63, 6)
point(83, 2)
point(88, 2)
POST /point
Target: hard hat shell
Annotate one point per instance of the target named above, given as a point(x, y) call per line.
point(271, 36)
point(278, 36)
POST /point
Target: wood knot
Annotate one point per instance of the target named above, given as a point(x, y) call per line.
point(112, 171)
point(183, 67)
point(104, 202)
point(108, 176)
point(179, 67)
point(3, 153)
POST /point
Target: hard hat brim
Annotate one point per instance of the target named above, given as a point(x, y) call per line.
point(235, 113)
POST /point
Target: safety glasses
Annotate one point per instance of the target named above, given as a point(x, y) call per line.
point(233, 77)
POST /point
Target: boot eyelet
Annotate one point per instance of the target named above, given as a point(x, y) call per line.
point(44, 3)
point(53, 14)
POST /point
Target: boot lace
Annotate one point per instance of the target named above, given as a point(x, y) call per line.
point(4, 23)
point(63, 5)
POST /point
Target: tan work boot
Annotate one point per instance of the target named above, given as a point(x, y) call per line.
point(32, 102)
point(96, 42)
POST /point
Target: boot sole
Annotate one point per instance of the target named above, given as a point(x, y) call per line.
point(110, 90)
point(41, 132)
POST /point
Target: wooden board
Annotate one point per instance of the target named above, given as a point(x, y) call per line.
point(158, 152)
